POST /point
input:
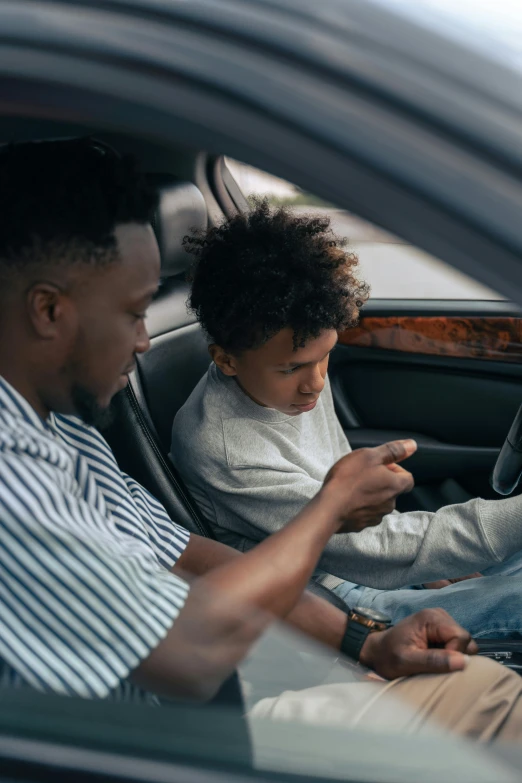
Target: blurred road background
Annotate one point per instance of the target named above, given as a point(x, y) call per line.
point(394, 269)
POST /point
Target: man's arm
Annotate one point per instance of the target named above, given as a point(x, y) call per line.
point(228, 607)
point(312, 615)
point(430, 641)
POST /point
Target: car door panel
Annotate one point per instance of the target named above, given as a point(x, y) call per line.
point(434, 460)
point(452, 381)
point(453, 401)
point(488, 338)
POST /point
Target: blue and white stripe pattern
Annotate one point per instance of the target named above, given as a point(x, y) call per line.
point(85, 553)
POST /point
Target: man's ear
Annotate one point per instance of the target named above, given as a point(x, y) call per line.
point(45, 305)
point(225, 361)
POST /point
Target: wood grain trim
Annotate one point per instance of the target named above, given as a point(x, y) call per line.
point(498, 339)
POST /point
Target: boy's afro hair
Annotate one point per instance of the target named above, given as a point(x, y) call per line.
point(269, 269)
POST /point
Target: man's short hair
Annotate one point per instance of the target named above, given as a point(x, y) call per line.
point(60, 202)
point(268, 269)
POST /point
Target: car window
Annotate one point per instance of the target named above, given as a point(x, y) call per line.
point(297, 743)
point(393, 268)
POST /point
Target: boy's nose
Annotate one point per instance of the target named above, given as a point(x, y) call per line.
point(313, 384)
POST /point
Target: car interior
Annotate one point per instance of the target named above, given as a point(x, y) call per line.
point(406, 129)
point(459, 408)
point(457, 403)
point(380, 394)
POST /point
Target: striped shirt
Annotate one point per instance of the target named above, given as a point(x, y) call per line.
point(85, 588)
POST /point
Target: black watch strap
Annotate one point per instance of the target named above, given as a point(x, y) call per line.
point(354, 638)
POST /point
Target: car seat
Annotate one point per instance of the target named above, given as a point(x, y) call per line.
point(167, 373)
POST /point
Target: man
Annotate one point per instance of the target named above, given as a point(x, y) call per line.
point(93, 598)
point(259, 433)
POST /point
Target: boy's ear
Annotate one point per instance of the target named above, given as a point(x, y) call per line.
point(223, 360)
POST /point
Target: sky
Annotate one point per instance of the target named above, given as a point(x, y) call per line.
point(492, 26)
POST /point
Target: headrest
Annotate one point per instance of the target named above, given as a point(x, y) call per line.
point(181, 209)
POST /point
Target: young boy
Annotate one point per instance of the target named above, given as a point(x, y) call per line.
point(259, 433)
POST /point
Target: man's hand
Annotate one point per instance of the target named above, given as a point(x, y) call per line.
point(447, 582)
point(365, 484)
point(429, 642)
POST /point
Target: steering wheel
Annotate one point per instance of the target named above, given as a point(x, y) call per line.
point(508, 468)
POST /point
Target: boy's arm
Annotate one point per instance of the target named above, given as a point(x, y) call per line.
point(419, 546)
point(408, 548)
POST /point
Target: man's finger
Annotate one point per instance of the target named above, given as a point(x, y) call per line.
point(394, 451)
point(460, 644)
point(396, 468)
point(450, 634)
point(403, 480)
point(472, 648)
point(406, 481)
point(435, 661)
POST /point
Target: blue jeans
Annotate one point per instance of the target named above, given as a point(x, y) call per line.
point(487, 607)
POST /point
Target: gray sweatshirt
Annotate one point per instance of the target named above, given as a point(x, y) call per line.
point(252, 469)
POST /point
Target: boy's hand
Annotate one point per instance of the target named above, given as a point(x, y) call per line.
point(429, 642)
point(364, 485)
point(447, 582)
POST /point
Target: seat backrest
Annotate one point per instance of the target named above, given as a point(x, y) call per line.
point(163, 380)
point(176, 360)
point(167, 373)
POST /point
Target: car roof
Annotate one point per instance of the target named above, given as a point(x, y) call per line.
point(359, 104)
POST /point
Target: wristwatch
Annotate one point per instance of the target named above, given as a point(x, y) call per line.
point(361, 623)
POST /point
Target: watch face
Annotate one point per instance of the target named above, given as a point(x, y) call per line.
point(372, 614)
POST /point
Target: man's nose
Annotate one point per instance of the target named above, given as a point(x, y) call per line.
point(313, 383)
point(143, 340)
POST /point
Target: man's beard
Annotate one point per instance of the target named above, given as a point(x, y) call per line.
point(89, 410)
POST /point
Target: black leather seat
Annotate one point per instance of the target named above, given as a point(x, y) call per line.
point(164, 378)
point(167, 373)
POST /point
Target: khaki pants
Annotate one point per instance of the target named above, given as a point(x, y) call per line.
point(483, 702)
